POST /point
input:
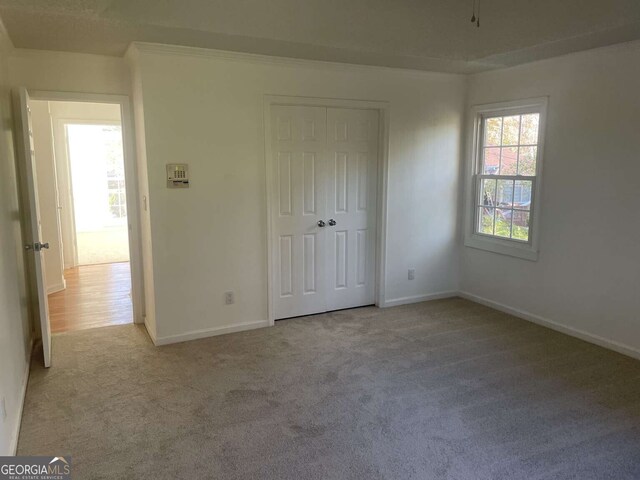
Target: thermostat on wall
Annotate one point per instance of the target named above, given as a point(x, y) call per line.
point(177, 175)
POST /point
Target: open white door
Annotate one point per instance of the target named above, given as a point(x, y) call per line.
point(33, 232)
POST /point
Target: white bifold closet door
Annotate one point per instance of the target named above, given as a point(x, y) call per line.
point(325, 166)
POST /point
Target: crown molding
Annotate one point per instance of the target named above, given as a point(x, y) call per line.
point(140, 48)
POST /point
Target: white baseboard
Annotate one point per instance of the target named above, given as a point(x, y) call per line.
point(150, 331)
point(210, 332)
point(394, 302)
point(58, 287)
point(13, 444)
point(574, 332)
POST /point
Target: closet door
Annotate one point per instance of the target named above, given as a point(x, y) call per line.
point(298, 208)
point(352, 144)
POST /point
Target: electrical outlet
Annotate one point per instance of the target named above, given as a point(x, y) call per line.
point(229, 298)
point(412, 274)
point(3, 409)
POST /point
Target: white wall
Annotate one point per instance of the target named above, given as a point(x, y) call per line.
point(15, 327)
point(69, 72)
point(47, 195)
point(207, 111)
point(85, 111)
point(587, 278)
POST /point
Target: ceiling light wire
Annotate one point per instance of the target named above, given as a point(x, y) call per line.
point(475, 17)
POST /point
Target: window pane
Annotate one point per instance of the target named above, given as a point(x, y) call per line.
point(527, 161)
point(486, 220)
point(488, 190)
point(504, 195)
point(529, 132)
point(491, 161)
point(503, 222)
point(508, 149)
point(522, 194)
point(510, 130)
point(492, 131)
point(509, 161)
point(521, 225)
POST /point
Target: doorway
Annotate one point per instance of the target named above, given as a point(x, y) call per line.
point(82, 195)
point(98, 190)
point(324, 196)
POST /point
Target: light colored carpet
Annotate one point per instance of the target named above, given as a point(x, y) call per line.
point(110, 245)
point(441, 390)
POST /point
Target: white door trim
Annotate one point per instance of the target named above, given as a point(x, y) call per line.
point(131, 178)
point(383, 164)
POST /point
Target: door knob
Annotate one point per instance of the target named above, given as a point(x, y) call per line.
point(321, 223)
point(332, 222)
point(37, 246)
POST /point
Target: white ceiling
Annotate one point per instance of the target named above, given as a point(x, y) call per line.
point(422, 34)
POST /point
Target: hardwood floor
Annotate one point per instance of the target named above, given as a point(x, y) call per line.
point(96, 296)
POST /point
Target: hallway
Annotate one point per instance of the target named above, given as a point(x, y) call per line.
point(96, 296)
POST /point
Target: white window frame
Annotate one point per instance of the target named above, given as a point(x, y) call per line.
point(506, 246)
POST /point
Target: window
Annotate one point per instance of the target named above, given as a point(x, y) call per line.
point(112, 136)
point(505, 177)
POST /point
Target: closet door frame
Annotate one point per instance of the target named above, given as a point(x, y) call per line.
point(383, 160)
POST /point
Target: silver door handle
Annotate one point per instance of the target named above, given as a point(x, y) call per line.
point(321, 223)
point(332, 222)
point(37, 246)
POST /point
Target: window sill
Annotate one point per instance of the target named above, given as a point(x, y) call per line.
point(503, 247)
